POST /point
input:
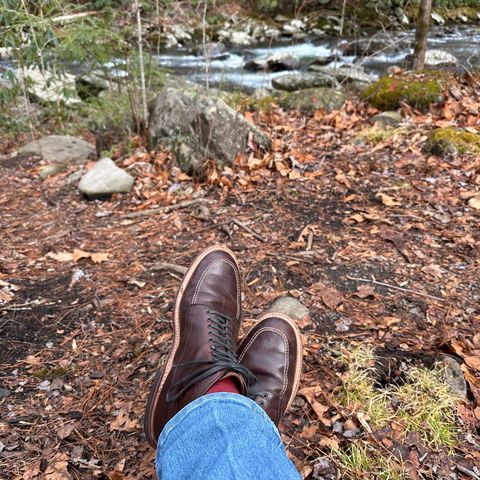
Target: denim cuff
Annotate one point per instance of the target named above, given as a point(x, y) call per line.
point(207, 401)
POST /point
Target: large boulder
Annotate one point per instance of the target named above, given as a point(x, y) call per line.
point(47, 87)
point(105, 178)
point(61, 149)
point(198, 126)
point(311, 99)
point(388, 93)
point(299, 81)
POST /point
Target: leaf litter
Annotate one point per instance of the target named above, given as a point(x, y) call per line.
point(377, 237)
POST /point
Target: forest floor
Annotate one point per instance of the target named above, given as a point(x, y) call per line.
point(372, 234)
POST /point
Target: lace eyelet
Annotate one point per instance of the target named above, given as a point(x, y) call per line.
point(265, 395)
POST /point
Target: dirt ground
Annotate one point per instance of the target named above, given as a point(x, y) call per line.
point(376, 239)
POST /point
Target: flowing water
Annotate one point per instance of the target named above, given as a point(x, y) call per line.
point(463, 41)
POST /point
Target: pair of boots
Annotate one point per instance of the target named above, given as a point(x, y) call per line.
point(266, 366)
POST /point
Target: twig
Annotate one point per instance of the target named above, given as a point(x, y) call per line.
point(168, 208)
point(394, 287)
point(309, 241)
point(468, 472)
point(248, 229)
point(74, 16)
point(170, 266)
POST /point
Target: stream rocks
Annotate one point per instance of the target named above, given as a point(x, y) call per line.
point(311, 99)
point(198, 126)
point(49, 88)
point(276, 62)
point(61, 149)
point(299, 81)
point(434, 58)
point(344, 73)
point(105, 178)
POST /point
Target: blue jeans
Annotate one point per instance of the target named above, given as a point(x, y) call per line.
point(222, 436)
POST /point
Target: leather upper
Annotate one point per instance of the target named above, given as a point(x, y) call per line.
point(272, 351)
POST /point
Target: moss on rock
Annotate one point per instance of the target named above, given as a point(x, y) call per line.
point(387, 92)
point(453, 140)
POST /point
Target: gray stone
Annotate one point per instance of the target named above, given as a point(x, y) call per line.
point(348, 74)
point(92, 84)
point(453, 376)
point(212, 51)
point(437, 18)
point(299, 81)
point(49, 88)
point(6, 53)
point(62, 149)
point(51, 170)
point(387, 119)
point(402, 16)
point(105, 178)
point(260, 93)
point(4, 393)
point(273, 63)
point(240, 39)
point(434, 58)
point(198, 126)
point(291, 307)
point(311, 99)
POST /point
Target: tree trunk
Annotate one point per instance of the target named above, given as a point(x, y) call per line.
point(423, 24)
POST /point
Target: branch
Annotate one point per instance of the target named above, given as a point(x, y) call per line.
point(168, 208)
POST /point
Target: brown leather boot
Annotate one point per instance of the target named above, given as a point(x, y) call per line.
point(206, 324)
point(272, 351)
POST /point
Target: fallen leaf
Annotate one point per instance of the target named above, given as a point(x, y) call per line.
point(57, 468)
point(364, 291)
point(61, 256)
point(473, 362)
point(63, 431)
point(309, 432)
point(474, 202)
point(331, 298)
point(99, 257)
point(387, 200)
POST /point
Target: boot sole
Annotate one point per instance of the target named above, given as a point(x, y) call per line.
point(162, 375)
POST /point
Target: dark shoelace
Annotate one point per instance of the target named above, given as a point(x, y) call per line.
point(220, 336)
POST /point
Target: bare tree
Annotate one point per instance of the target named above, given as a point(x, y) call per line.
point(423, 25)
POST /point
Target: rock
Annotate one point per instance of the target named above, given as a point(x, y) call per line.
point(276, 62)
point(344, 73)
point(105, 178)
point(299, 81)
point(199, 126)
point(52, 170)
point(239, 39)
point(387, 93)
point(91, 84)
point(462, 18)
point(62, 149)
point(291, 307)
point(49, 88)
point(6, 53)
point(260, 93)
point(182, 34)
point(402, 16)
point(387, 119)
point(453, 376)
point(438, 19)
point(439, 57)
point(294, 27)
point(4, 393)
point(452, 140)
point(311, 99)
point(212, 51)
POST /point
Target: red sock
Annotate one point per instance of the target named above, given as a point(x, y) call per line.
point(224, 385)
